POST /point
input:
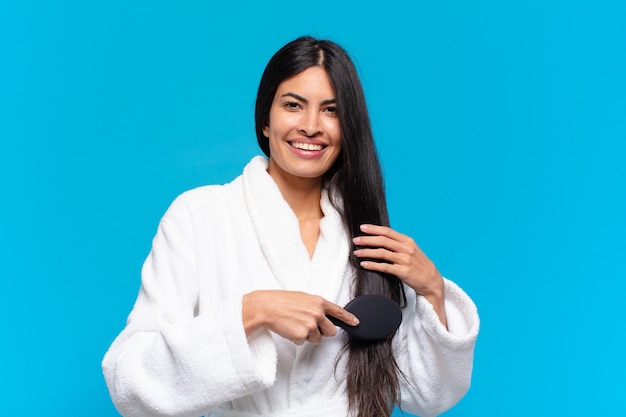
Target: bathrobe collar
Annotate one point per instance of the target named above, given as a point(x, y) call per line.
point(278, 233)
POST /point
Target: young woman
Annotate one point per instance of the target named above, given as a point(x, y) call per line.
point(231, 318)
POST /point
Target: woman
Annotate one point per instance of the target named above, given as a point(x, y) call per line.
point(231, 319)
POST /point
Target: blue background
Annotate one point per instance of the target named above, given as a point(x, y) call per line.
point(501, 127)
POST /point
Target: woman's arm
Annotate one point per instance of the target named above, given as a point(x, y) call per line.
point(436, 361)
point(434, 346)
point(170, 359)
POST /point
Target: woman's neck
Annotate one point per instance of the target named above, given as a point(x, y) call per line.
point(303, 196)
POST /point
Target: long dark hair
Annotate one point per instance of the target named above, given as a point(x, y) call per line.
point(372, 373)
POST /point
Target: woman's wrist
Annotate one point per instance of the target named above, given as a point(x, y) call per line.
point(436, 296)
point(250, 316)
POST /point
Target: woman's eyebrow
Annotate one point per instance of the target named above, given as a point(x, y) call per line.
point(304, 100)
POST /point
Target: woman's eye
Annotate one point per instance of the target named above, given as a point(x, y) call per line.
point(331, 109)
point(291, 105)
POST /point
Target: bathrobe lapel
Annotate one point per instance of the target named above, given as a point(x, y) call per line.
point(278, 232)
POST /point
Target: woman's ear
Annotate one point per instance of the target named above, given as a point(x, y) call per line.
point(266, 131)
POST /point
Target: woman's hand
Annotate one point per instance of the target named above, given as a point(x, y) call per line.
point(294, 315)
point(399, 255)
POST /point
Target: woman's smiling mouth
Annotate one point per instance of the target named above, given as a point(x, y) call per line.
point(307, 146)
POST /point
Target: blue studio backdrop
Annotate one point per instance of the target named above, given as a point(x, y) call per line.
point(501, 128)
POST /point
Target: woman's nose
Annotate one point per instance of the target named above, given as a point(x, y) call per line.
point(310, 123)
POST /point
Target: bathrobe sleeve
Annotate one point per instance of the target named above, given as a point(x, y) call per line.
point(436, 361)
point(170, 359)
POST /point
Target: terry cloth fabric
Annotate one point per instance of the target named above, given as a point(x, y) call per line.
point(184, 351)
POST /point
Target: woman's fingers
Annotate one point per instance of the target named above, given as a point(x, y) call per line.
point(336, 311)
point(383, 237)
point(385, 244)
point(376, 230)
point(296, 316)
point(382, 254)
point(384, 250)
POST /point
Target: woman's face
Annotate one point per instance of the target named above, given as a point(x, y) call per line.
point(303, 131)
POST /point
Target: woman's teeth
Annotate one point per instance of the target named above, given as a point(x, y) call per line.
point(306, 146)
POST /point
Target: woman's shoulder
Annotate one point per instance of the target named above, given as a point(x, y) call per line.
point(214, 200)
point(205, 201)
point(208, 195)
point(211, 194)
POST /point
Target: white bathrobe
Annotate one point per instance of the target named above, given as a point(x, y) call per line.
point(184, 351)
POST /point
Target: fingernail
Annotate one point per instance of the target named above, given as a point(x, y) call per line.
point(356, 240)
point(364, 227)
